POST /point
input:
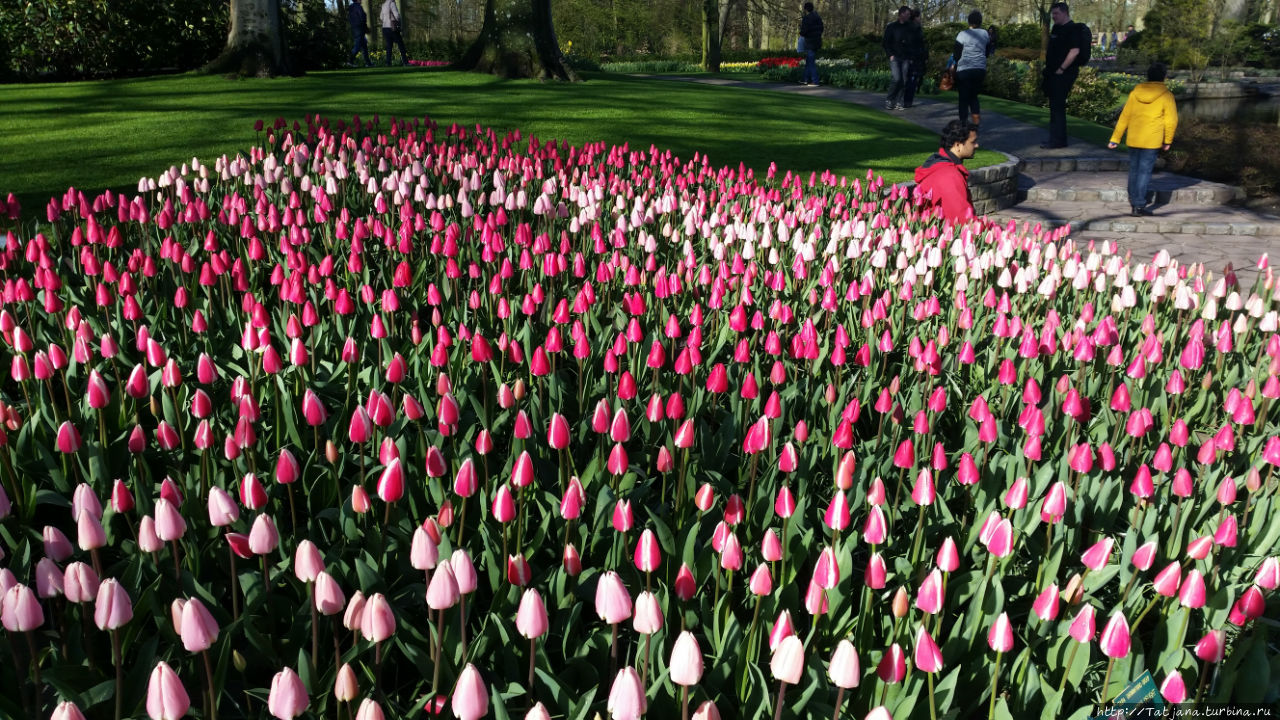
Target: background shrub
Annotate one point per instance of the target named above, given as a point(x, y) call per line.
point(318, 38)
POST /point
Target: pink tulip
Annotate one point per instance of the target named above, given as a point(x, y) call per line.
point(67, 710)
point(1046, 605)
point(531, 618)
point(626, 698)
point(1096, 557)
point(1055, 503)
point(377, 621)
point(948, 558)
point(1173, 690)
point(307, 562)
point(686, 660)
point(1268, 575)
point(875, 572)
point(1115, 637)
point(1249, 606)
point(1145, 555)
point(198, 629)
point(929, 598)
point(288, 698)
point(113, 608)
point(68, 440)
point(80, 583)
point(443, 591)
point(328, 596)
point(369, 710)
point(464, 572)
point(1212, 647)
point(1083, 627)
point(166, 697)
point(470, 700)
point(49, 581)
point(893, 665)
point(263, 536)
point(345, 687)
point(844, 669)
point(20, 609)
point(1192, 594)
point(928, 657)
point(1000, 636)
point(391, 482)
point(787, 663)
point(613, 602)
point(648, 556)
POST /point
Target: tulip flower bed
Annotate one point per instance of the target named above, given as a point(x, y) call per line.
point(385, 417)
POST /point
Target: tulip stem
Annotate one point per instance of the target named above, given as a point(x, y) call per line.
point(208, 676)
point(293, 515)
point(439, 654)
point(115, 658)
point(315, 627)
point(177, 567)
point(235, 586)
point(462, 622)
point(995, 679)
point(933, 707)
point(915, 547)
point(782, 691)
point(613, 647)
point(839, 701)
point(533, 659)
point(684, 702)
point(1066, 669)
point(1204, 680)
point(266, 576)
point(1106, 681)
point(782, 572)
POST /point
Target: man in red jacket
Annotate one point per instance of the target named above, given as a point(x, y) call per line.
point(943, 176)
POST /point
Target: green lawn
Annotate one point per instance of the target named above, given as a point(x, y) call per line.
point(95, 135)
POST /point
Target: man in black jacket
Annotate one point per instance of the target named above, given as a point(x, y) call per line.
point(811, 31)
point(1060, 71)
point(902, 42)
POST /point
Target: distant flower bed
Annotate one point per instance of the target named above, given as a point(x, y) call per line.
point(430, 63)
point(779, 62)
point(651, 66)
point(739, 67)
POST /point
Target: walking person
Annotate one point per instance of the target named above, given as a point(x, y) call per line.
point(918, 63)
point(811, 32)
point(1061, 70)
point(971, 66)
point(1147, 124)
point(359, 23)
point(901, 39)
point(390, 17)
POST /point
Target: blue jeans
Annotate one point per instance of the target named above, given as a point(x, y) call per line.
point(358, 43)
point(810, 74)
point(900, 68)
point(1142, 161)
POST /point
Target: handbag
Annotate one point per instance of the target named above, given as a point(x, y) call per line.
point(948, 79)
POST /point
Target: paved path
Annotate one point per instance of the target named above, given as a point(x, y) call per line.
point(1084, 184)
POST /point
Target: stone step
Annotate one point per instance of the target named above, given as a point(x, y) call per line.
point(1201, 220)
point(1112, 187)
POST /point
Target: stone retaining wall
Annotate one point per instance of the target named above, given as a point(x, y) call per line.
point(995, 187)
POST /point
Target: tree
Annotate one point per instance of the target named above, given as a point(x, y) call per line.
point(255, 44)
point(711, 35)
point(517, 40)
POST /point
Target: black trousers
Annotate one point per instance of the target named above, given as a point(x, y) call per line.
point(968, 85)
point(391, 36)
point(1057, 88)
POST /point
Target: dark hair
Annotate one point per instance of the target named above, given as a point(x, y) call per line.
point(1157, 72)
point(956, 133)
point(808, 7)
point(1060, 6)
point(915, 13)
point(904, 9)
point(975, 18)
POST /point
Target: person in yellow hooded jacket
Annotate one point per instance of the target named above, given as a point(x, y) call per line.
point(1149, 118)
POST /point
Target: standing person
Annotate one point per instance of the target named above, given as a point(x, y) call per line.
point(390, 17)
point(944, 177)
point(901, 38)
point(971, 66)
point(811, 31)
point(918, 63)
point(1060, 71)
point(1149, 118)
point(359, 33)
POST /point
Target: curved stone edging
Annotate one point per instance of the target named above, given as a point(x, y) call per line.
point(995, 187)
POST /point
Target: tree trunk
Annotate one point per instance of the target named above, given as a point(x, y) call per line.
point(517, 40)
point(255, 44)
point(711, 35)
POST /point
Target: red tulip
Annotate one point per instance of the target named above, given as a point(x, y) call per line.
point(928, 657)
point(648, 556)
point(893, 665)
